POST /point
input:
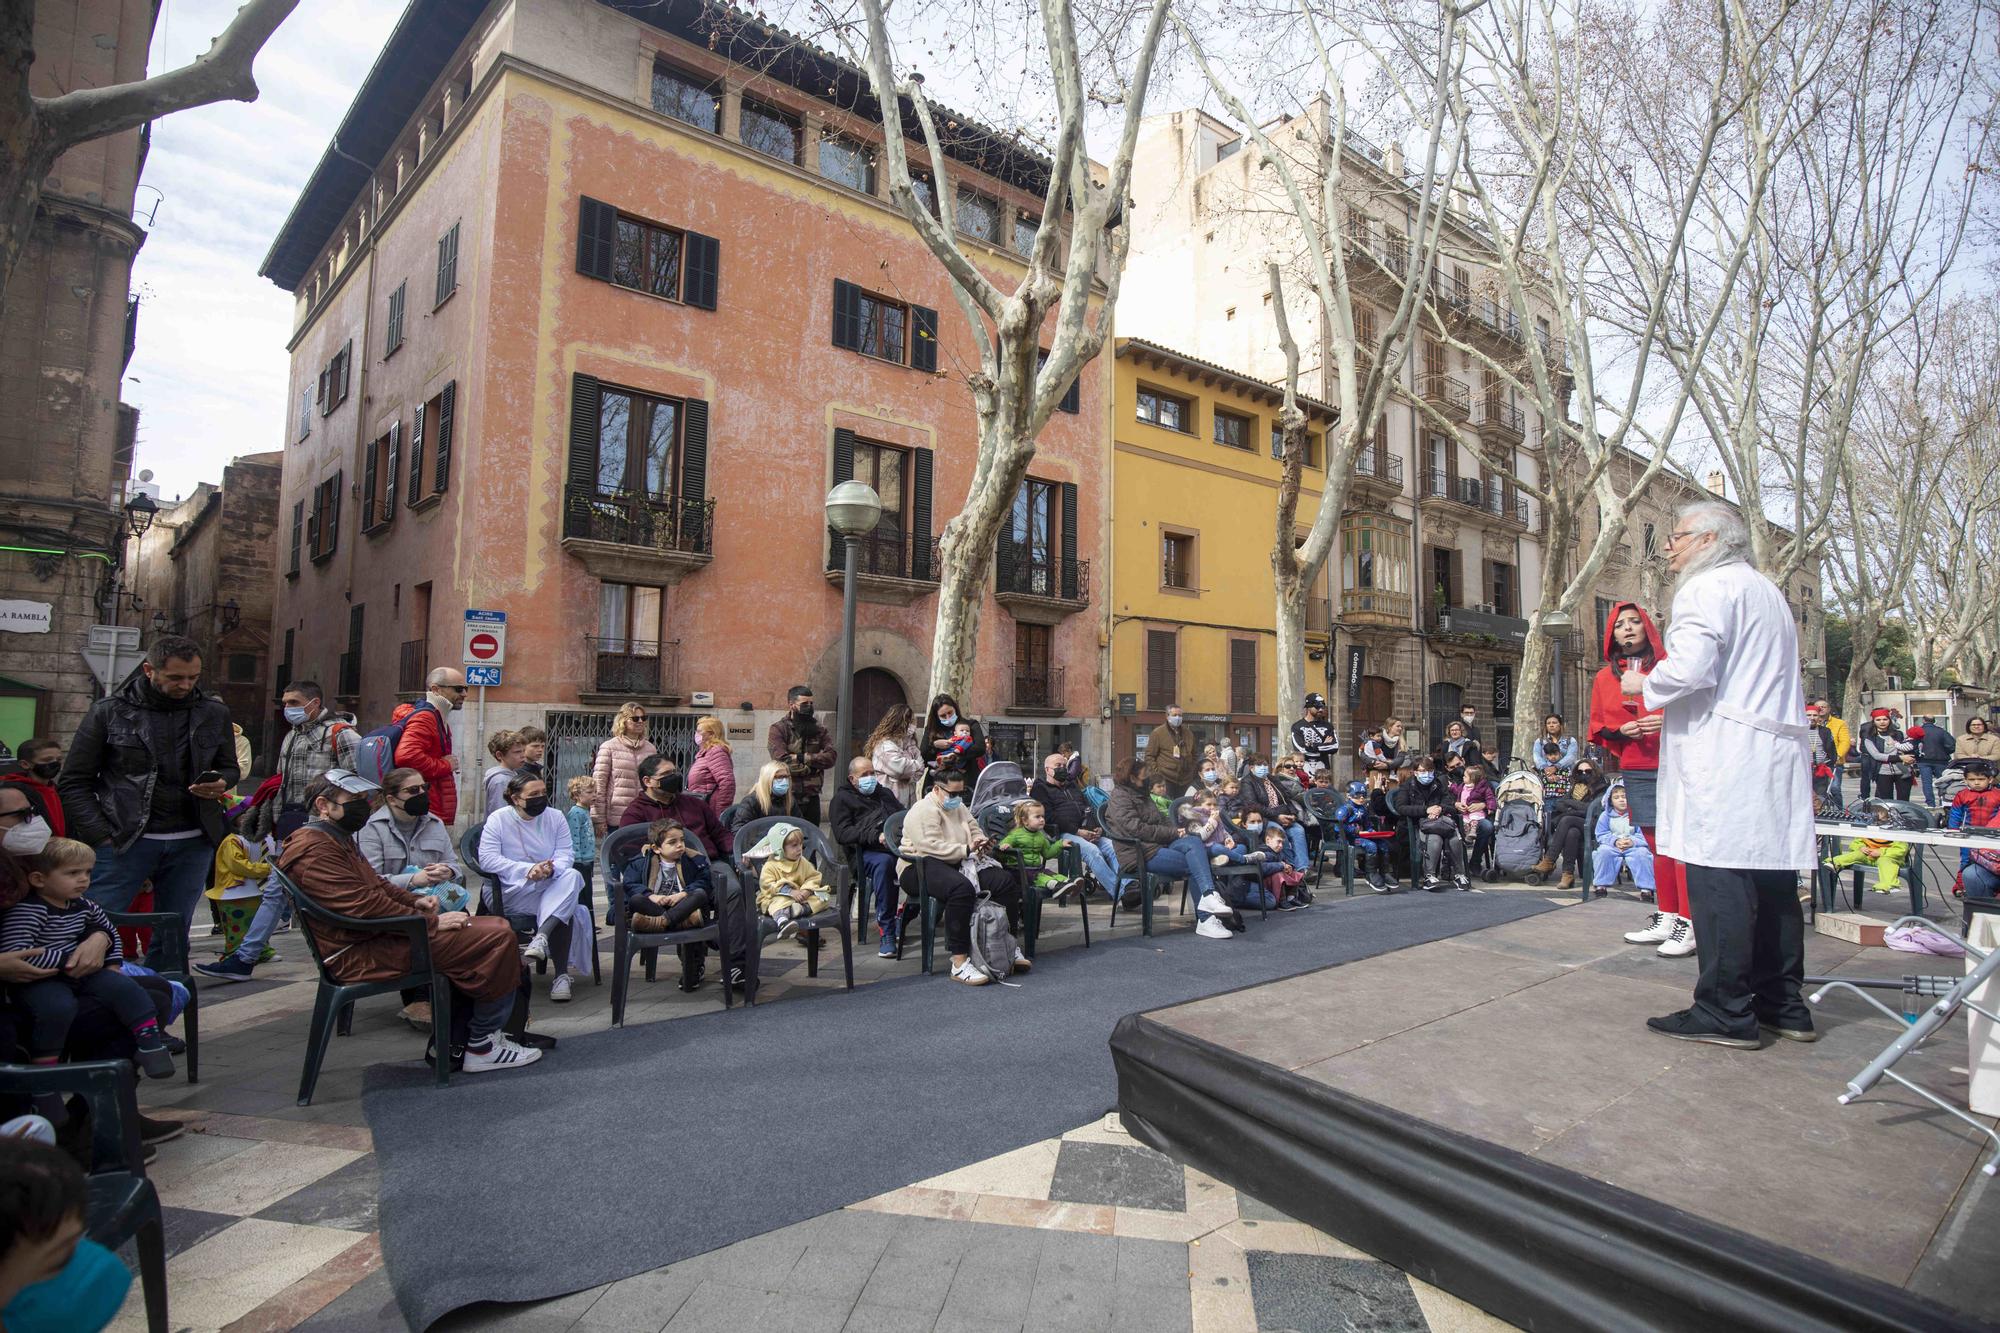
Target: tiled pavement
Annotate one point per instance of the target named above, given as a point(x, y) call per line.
point(271, 1211)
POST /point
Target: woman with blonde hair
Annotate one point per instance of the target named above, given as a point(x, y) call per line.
point(712, 776)
point(771, 796)
point(895, 753)
point(616, 768)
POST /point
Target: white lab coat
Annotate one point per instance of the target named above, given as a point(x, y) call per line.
point(1735, 785)
point(511, 846)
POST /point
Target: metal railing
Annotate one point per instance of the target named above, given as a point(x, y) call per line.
point(1022, 572)
point(1498, 505)
point(633, 666)
point(886, 554)
point(629, 518)
point(1489, 314)
point(413, 663)
point(1385, 467)
point(1490, 412)
point(1038, 686)
point(1459, 490)
point(1448, 390)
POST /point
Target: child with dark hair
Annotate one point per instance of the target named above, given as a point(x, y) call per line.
point(667, 888)
point(1977, 805)
point(51, 1274)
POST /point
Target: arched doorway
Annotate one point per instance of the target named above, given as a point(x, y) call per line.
point(875, 692)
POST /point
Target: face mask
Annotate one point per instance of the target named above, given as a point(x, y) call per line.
point(27, 839)
point(1261, 771)
point(534, 805)
point(86, 1294)
point(47, 771)
point(953, 802)
point(947, 719)
point(353, 814)
point(866, 786)
point(805, 709)
point(1173, 720)
point(781, 787)
point(672, 784)
point(1253, 829)
point(295, 716)
point(1210, 776)
point(416, 807)
point(1466, 718)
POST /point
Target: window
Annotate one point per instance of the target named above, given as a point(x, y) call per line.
point(1375, 564)
point(1364, 331)
point(1313, 443)
point(1162, 667)
point(882, 327)
point(926, 191)
point(647, 258)
point(305, 414)
point(638, 444)
point(1025, 230)
point(1072, 399)
point(1164, 410)
point(323, 527)
point(350, 661)
point(1232, 429)
point(770, 131)
point(430, 439)
point(334, 380)
point(637, 472)
point(1177, 560)
point(1604, 605)
point(1242, 675)
point(394, 336)
point(628, 619)
point(447, 275)
point(298, 529)
point(1652, 544)
point(644, 256)
point(242, 667)
point(378, 478)
point(900, 545)
point(848, 162)
point(1444, 577)
point(1503, 582)
point(978, 216)
point(1035, 683)
point(687, 97)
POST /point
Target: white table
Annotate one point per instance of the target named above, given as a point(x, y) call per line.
point(1827, 881)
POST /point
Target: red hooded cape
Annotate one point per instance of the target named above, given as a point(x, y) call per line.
point(1611, 708)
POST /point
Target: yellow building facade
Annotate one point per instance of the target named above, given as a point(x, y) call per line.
point(1192, 610)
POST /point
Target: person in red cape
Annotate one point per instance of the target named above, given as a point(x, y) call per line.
point(1631, 735)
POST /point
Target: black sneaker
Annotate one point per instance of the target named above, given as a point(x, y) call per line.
point(1686, 1026)
point(1461, 883)
point(226, 969)
point(174, 1045)
point(153, 1131)
point(152, 1057)
point(1432, 884)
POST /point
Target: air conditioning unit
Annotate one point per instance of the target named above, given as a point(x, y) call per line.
point(1486, 608)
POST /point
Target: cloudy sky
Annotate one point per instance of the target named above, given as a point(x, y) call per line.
point(209, 373)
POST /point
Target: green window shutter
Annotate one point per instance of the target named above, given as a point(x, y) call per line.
point(923, 343)
point(846, 315)
point(368, 474)
point(395, 469)
point(596, 237)
point(417, 457)
point(701, 267)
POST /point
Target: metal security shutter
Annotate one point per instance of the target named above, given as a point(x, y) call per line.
point(701, 268)
point(1069, 565)
point(923, 345)
point(596, 237)
point(1162, 668)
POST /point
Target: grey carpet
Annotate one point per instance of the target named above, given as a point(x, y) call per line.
point(630, 1149)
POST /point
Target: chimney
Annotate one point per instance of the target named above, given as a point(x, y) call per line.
point(1394, 159)
point(1716, 481)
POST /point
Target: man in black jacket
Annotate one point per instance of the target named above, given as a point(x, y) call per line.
point(1934, 753)
point(862, 803)
point(145, 781)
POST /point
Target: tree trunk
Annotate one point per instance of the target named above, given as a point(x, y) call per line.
point(25, 158)
point(1531, 696)
point(1292, 591)
point(1864, 634)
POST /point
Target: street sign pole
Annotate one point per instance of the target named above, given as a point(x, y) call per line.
point(483, 811)
point(485, 652)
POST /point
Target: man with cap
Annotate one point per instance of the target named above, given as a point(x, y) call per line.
point(1314, 737)
point(477, 955)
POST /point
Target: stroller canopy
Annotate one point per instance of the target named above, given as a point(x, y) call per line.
point(1000, 782)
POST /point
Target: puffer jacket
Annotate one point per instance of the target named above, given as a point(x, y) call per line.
point(128, 745)
point(712, 777)
point(383, 844)
point(616, 772)
point(1131, 818)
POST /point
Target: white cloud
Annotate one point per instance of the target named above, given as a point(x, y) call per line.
point(210, 370)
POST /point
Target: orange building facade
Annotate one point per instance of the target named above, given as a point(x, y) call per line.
point(592, 311)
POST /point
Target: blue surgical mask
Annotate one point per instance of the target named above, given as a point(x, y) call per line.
point(866, 786)
point(1261, 771)
point(947, 719)
point(953, 802)
point(83, 1298)
point(295, 716)
point(781, 786)
point(1253, 828)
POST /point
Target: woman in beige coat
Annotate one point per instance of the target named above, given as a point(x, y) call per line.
point(617, 766)
point(1978, 742)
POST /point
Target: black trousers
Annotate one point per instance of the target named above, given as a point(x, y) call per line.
point(949, 886)
point(1750, 937)
point(1566, 844)
point(806, 808)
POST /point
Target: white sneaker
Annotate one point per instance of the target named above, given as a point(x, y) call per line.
point(1211, 929)
point(1661, 927)
point(966, 973)
point(502, 1054)
point(1023, 963)
point(536, 948)
point(1681, 942)
point(559, 989)
point(1218, 860)
point(1214, 904)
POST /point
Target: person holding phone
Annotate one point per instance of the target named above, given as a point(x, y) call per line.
point(146, 782)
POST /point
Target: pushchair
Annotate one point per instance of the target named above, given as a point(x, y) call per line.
point(1000, 788)
point(1518, 836)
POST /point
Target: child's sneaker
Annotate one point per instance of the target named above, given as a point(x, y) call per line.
point(1022, 963)
point(888, 949)
point(537, 948)
point(270, 955)
point(153, 1056)
point(788, 926)
point(1218, 860)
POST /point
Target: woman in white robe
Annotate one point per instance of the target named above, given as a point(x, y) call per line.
point(526, 846)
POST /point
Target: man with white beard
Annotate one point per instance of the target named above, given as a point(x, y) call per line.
point(1735, 785)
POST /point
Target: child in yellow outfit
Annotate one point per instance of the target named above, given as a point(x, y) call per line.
point(239, 886)
point(789, 889)
point(1886, 856)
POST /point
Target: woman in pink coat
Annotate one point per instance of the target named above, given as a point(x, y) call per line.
point(617, 766)
point(712, 776)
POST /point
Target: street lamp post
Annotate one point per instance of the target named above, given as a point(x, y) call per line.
point(1556, 624)
point(852, 510)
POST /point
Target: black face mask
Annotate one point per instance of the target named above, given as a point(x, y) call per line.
point(671, 785)
point(805, 710)
point(534, 805)
point(416, 807)
point(47, 771)
point(353, 814)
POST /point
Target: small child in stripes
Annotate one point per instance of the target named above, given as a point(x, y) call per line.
point(45, 927)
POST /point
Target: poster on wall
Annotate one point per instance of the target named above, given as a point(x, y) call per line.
point(1357, 657)
point(1503, 691)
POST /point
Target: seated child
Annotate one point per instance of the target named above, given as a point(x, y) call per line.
point(583, 828)
point(1231, 801)
point(1476, 803)
point(1885, 855)
point(1205, 821)
point(1157, 788)
point(1354, 818)
point(1977, 805)
point(789, 889)
point(1568, 830)
point(1282, 880)
point(52, 1275)
point(46, 927)
point(1029, 840)
point(1619, 843)
point(668, 889)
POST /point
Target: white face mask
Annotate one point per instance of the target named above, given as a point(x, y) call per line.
point(27, 838)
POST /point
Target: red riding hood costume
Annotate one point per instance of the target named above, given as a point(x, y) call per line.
point(1637, 757)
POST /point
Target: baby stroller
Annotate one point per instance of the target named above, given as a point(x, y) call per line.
point(1000, 788)
point(1517, 829)
point(1949, 783)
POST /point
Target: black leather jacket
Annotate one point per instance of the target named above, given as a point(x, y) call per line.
point(126, 747)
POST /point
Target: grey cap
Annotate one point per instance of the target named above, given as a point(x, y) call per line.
point(351, 782)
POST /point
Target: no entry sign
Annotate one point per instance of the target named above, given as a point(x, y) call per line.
point(485, 638)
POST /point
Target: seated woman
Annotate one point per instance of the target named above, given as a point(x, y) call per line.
point(476, 955)
point(938, 834)
point(412, 849)
point(526, 847)
point(667, 887)
point(771, 796)
point(1261, 794)
point(1568, 832)
point(1141, 828)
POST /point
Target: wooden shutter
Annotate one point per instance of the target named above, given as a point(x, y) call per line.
point(1069, 564)
point(920, 515)
point(298, 525)
point(582, 473)
point(923, 339)
point(692, 516)
point(312, 520)
point(1161, 684)
point(596, 237)
point(346, 368)
point(369, 474)
point(417, 457)
point(333, 512)
point(846, 315)
point(701, 267)
point(319, 395)
point(843, 470)
point(1243, 675)
point(446, 415)
point(395, 466)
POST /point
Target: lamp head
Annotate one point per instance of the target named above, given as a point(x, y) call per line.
point(853, 508)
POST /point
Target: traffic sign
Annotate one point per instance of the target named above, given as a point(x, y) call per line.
point(482, 675)
point(485, 638)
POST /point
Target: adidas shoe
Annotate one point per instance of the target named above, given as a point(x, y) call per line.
point(966, 974)
point(1214, 904)
point(500, 1053)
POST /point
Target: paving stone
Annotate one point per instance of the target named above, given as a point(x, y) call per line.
point(720, 1307)
point(805, 1312)
point(1072, 1305)
point(830, 1274)
point(185, 1228)
point(647, 1301)
point(1153, 1309)
point(1152, 1263)
point(1105, 1173)
point(866, 1318)
point(909, 1282)
point(345, 1198)
point(992, 1294)
point(1256, 1210)
point(369, 1306)
point(1076, 1254)
point(1310, 1293)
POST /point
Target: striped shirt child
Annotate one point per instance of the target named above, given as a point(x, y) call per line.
point(54, 931)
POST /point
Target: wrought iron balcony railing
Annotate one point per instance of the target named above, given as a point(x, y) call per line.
point(644, 667)
point(667, 523)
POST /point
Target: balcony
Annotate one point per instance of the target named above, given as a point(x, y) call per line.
point(638, 538)
point(413, 664)
point(1498, 421)
point(1478, 626)
point(1514, 511)
point(1372, 606)
point(1491, 317)
point(1038, 691)
point(622, 669)
point(1448, 393)
point(1377, 264)
point(1378, 472)
point(1443, 488)
point(1037, 588)
point(891, 567)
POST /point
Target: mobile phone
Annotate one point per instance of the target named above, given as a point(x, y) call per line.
point(209, 775)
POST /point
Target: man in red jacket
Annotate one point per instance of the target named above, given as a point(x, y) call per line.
point(426, 740)
point(1631, 735)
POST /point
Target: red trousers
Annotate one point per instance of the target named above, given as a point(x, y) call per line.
point(1670, 892)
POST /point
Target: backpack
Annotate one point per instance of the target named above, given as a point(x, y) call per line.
point(376, 754)
point(992, 942)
